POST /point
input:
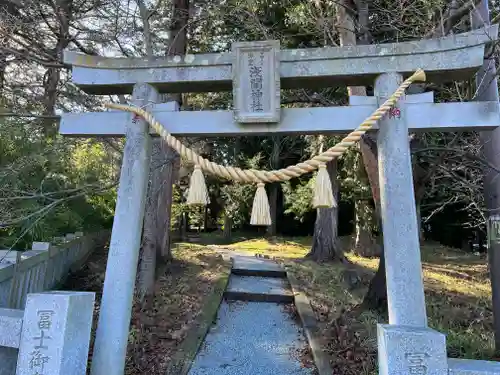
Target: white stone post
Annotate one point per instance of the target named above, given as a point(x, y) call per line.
point(114, 319)
point(55, 335)
point(405, 288)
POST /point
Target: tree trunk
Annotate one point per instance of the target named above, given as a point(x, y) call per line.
point(53, 74)
point(228, 224)
point(183, 226)
point(376, 296)
point(165, 176)
point(364, 243)
point(325, 239)
point(168, 177)
point(273, 206)
point(178, 46)
point(325, 245)
point(3, 67)
point(487, 89)
point(147, 259)
point(419, 222)
point(273, 193)
point(187, 223)
point(206, 220)
point(156, 233)
point(165, 163)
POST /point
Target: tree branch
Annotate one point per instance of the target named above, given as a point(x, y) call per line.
point(27, 115)
point(451, 18)
point(26, 55)
point(461, 152)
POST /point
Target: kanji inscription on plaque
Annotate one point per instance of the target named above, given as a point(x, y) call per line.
point(256, 82)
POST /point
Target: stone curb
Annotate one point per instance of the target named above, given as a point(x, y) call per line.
point(311, 328)
point(182, 362)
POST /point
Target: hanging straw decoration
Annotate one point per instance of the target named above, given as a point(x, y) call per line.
point(323, 192)
point(197, 193)
point(323, 196)
point(261, 214)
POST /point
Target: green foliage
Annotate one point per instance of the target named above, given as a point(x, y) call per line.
point(178, 207)
point(51, 186)
point(298, 198)
point(238, 200)
point(196, 213)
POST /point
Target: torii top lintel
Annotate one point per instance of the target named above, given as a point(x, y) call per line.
point(444, 59)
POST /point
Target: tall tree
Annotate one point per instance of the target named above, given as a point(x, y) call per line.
point(346, 9)
point(487, 90)
point(63, 11)
point(57, 176)
point(165, 161)
point(376, 296)
point(364, 242)
point(178, 32)
point(325, 244)
point(8, 16)
point(148, 253)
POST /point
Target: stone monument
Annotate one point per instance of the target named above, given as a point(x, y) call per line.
point(50, 337)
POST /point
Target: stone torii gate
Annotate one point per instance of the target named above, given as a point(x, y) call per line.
point(256, 71)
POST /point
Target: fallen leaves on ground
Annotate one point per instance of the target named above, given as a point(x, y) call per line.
point(181, 290)
point(303, 354)
point(343, 329)
point(458, 299)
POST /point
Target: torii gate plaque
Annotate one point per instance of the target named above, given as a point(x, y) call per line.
point(256, 71)
point(256, 82)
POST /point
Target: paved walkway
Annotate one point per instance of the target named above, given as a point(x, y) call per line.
point(251, 336)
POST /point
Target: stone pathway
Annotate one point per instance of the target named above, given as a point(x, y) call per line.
point(254, 334)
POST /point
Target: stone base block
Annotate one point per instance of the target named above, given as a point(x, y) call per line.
point(404, 350)
point(473, 367)
point(11, 322)
point(8, 360)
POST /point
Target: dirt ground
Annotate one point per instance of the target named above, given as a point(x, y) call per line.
point(183, 288)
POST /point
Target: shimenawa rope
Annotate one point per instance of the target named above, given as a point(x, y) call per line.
point(321, 198)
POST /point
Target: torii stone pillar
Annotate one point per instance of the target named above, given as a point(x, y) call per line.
point(116, 305)
point(406, 345)
point(405, 287)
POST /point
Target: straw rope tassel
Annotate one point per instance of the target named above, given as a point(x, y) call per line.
point(197, 193)
point(323, 192)
point(261, 213)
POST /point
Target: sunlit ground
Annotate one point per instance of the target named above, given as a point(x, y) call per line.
point(457, 288)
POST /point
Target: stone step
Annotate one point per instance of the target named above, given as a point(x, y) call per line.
point(258, 289)
point(251, 338)
point(249, 266)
